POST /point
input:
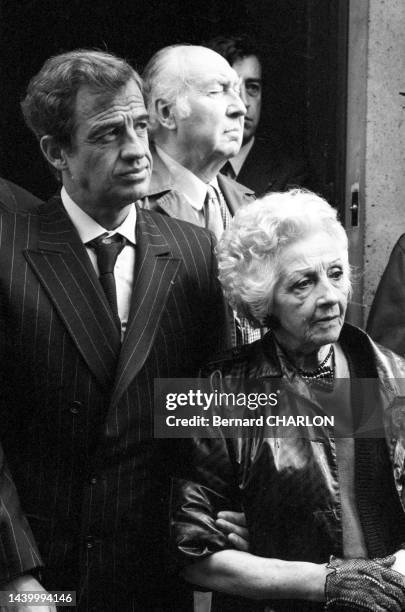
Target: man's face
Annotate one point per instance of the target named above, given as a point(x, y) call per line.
point(213, 126)
point(109, 163)
point(250, 72)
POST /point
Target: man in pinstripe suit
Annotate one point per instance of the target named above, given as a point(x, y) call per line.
point(77, 390)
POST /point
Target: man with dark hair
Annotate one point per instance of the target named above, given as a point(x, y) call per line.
point(262, 163)
point(98, 298)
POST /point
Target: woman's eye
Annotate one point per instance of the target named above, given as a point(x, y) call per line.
point(303, 284)
point(336, 274)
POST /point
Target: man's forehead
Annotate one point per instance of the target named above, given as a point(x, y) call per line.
point(92, 102)
point(205, 64)
point(248, 66)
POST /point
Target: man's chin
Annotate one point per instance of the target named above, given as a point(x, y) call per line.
point(135, 192)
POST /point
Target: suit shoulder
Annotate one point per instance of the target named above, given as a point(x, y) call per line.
point(235, 186)
point(15, 198)
point(227, 180)
point(178, 226)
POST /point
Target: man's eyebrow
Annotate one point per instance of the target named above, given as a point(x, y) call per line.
point(143, 117)
point(118, 120)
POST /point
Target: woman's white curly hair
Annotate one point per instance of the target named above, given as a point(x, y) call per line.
point(250, 251)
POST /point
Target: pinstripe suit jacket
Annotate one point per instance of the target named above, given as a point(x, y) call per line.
point(76, 406)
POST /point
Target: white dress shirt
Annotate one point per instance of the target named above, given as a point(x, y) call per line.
point(88, 229)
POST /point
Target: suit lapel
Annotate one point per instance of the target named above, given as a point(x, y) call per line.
point(155, 271)
point(64, 269)
point(235, 194)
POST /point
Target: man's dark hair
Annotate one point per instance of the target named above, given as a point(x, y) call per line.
point(49, 104)
point(234, 48)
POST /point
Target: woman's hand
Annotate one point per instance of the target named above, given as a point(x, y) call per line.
point(371, 585)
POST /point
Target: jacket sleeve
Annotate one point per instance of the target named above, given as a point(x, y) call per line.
point(386, 322)
point(204, 486)
point(18, 551)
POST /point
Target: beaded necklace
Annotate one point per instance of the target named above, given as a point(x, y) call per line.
point(323, 376)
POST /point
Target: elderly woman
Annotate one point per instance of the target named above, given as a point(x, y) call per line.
point(325, 517)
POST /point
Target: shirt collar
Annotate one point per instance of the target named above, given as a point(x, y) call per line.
point(239, 159)
point(88, 229)
point(214, 184)
point(185, 181)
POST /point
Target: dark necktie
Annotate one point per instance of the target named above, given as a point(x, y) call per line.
point(107, 249)
point(228, 170)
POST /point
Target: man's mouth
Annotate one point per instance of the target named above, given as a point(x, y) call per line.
point(135, 173)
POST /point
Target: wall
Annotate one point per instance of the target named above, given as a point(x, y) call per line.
point(384, 171)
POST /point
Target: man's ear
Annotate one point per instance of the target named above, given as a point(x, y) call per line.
point(54, 153)
point(164, 112)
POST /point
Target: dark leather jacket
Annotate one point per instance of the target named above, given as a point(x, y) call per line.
point(289, 487)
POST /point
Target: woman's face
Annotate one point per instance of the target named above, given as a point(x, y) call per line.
point(310, 297)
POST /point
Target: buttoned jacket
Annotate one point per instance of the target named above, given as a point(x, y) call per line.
point(76, 406)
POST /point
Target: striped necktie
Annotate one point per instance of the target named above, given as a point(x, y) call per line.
point(212, 212)
point(217, 215)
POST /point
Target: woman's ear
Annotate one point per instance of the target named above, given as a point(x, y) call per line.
point(53, 153)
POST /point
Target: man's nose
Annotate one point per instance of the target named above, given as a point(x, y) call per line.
point(133, 145)
point(243, 95)
point(236, 105)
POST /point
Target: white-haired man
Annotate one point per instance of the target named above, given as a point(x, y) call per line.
point(196, 122)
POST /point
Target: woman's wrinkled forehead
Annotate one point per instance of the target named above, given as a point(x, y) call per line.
point(311, 252)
